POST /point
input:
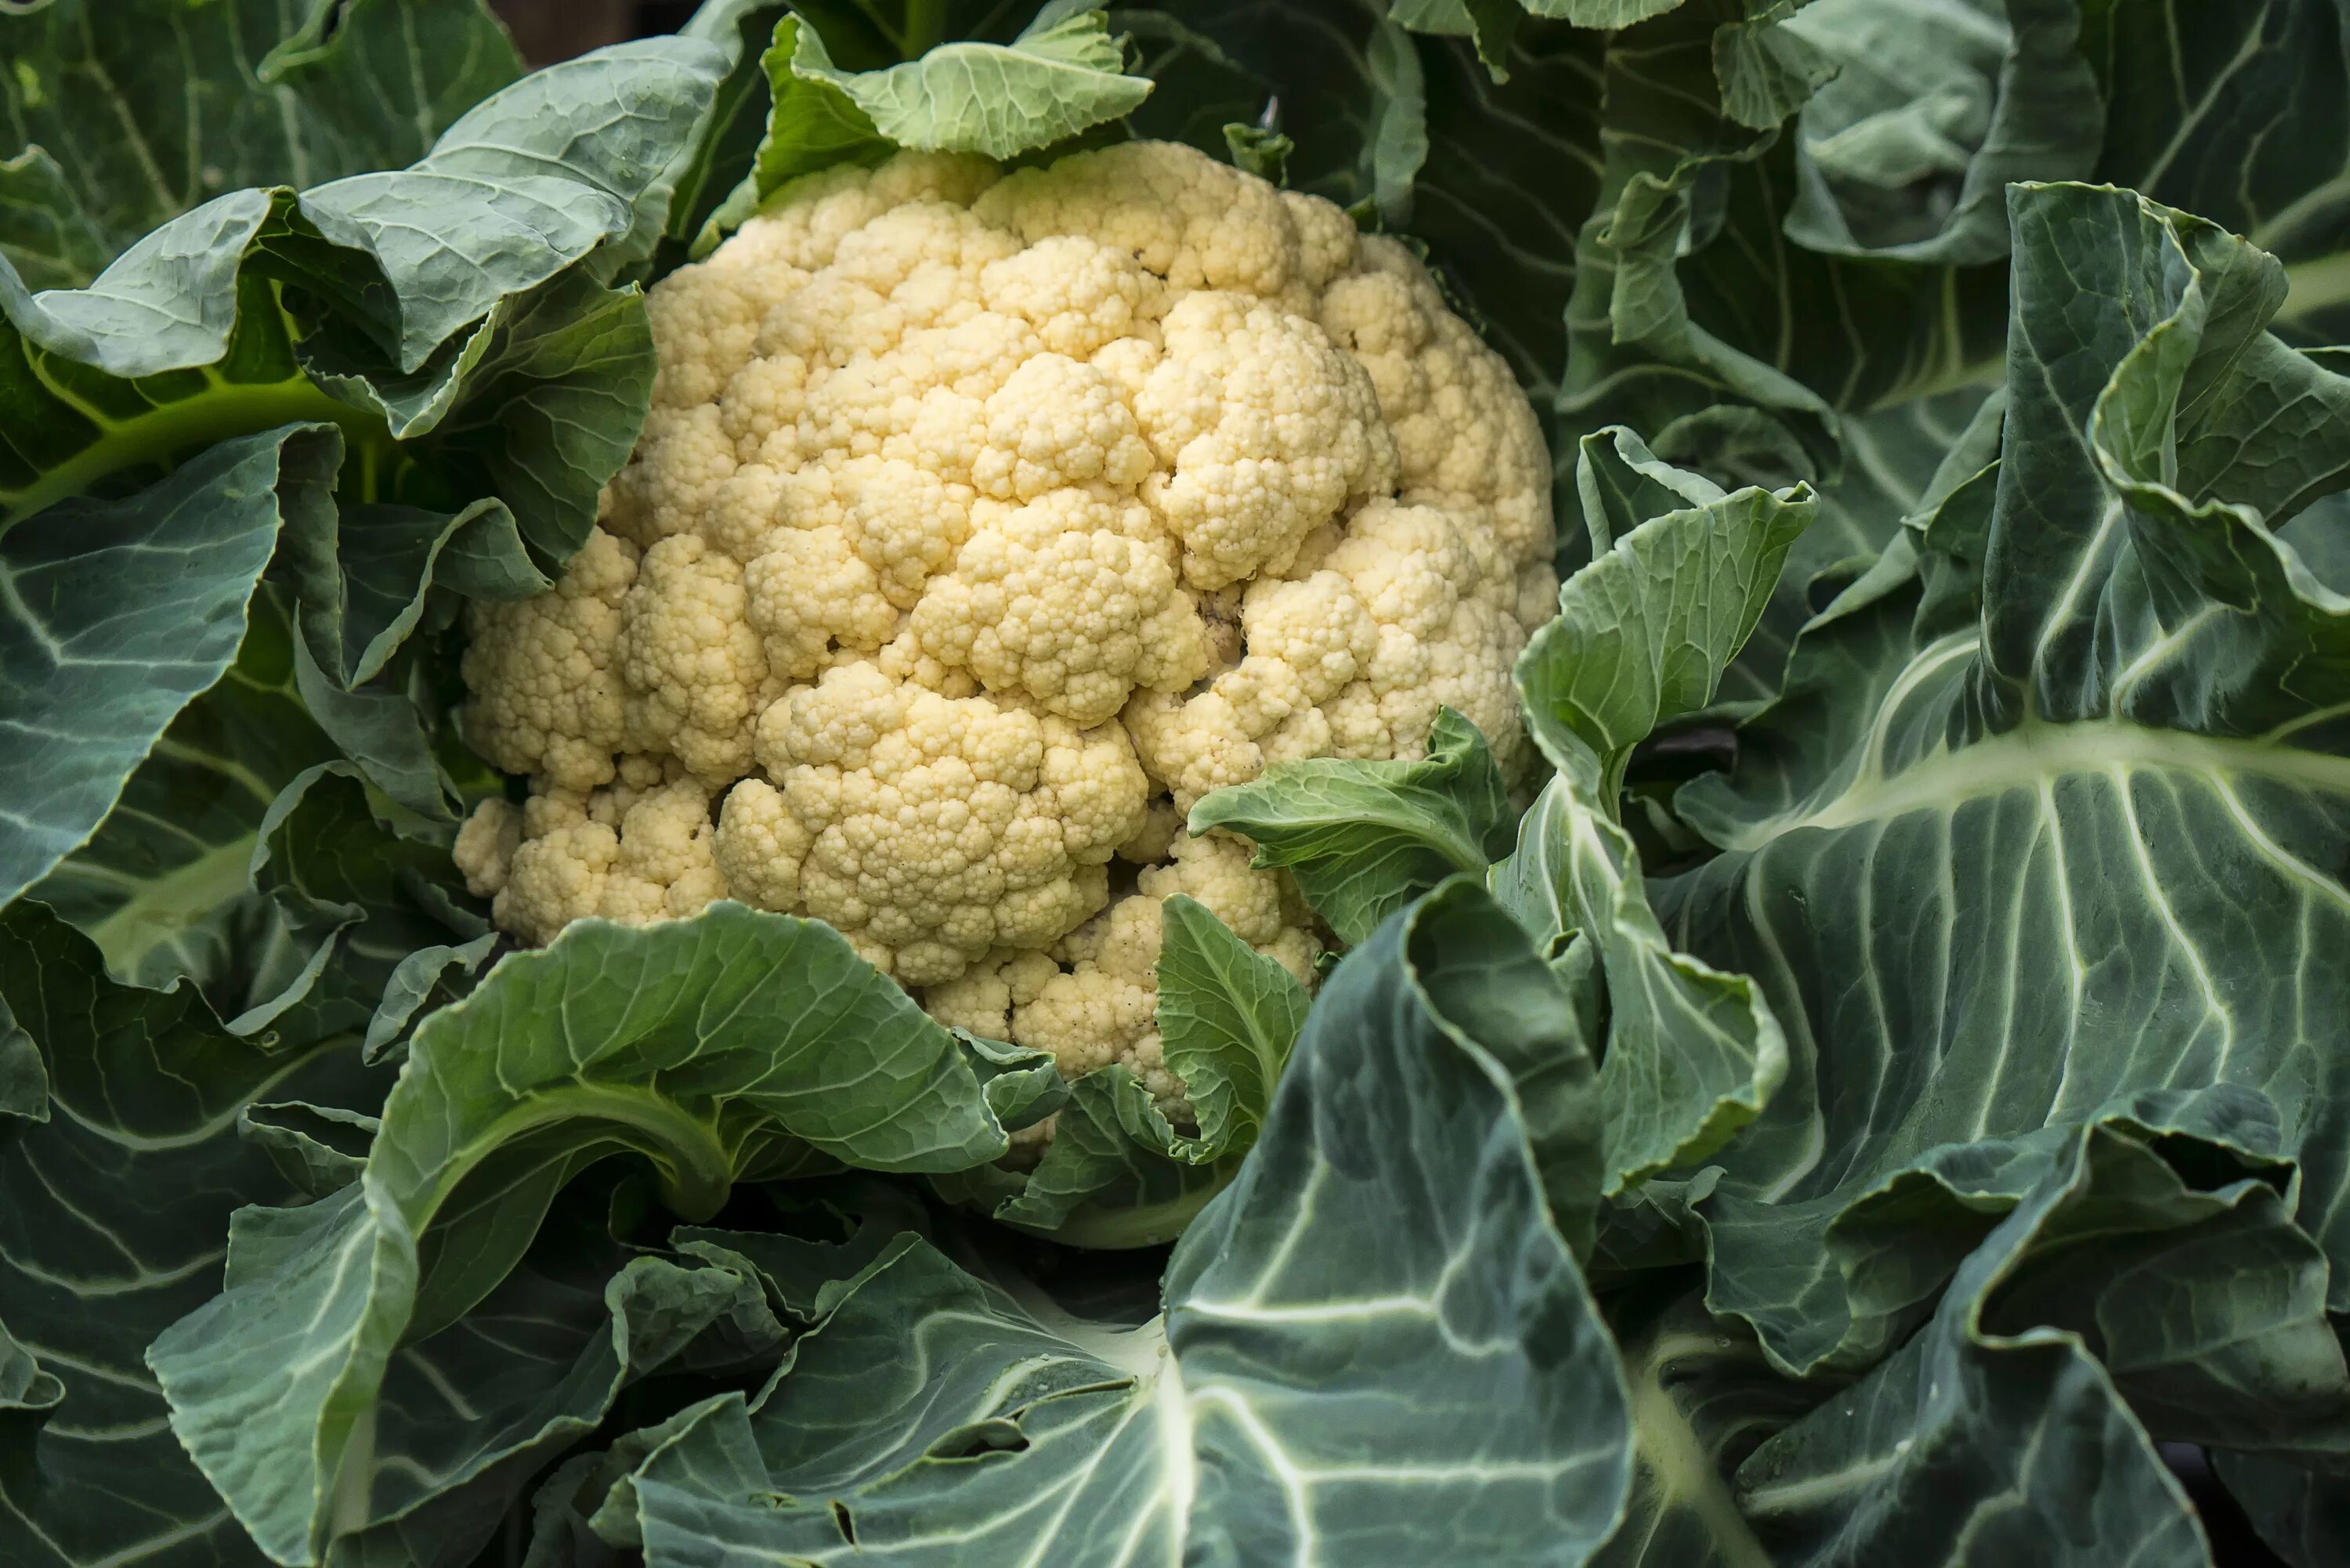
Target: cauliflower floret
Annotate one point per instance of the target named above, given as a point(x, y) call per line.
point(1072, 600)
point(1463, 430)
point(1266, 431)
point(981, 524)
point(485, 847)
point(656, 864)
point(935, 827)
point(1099, 1005)
point(691, 659)
point(1194, 221)
point(544, 674)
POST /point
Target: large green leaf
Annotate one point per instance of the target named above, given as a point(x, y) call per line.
point(2301, 1511)
point(469, 1415)
point(1229, 1016)
point(712, 1047)
point(115, 614)
point(1643, 636)
point(1364, 839)
point(1375, 1349)
point(186, 351)
point(899, 86)
point(2003, 1431)
point(113, 1216)
point(1691, 299)
point(1062, 75)
point(2232, 111)
point(170, 885)
point(2054, 809)
point(141, 109)
point(1935, 107)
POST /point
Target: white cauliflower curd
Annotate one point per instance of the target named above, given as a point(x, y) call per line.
point(984, 523)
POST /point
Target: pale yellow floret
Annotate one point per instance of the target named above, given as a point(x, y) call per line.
point(1098, 1003)
point(485, 847)
point(1265, 430)
point(656, 864)
point(1072, 600)
point(544, 674)
point(981, 525)
point(935, 827)
point(691, 659)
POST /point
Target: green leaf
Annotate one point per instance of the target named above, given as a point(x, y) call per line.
point(1689, 298)
point(1364, 839)
point(1933, 109)
point(2002, 1428)
point(116, 614)
point(2302, 1511)
point(2053, 811)
point(1379, 1295)
point(470, 1414)
point(1228, 1016)
point(1261, 152)
point(722, 155)
point(2263, 165)
point(141, 109)
point(1049, 84)
point(812, 123)
point(1118, 1173)
point(1022, 1085)
point(113, 1213)
point(711, 1047)
point(1643, 636)
point(44, 232)
point(1484, 984)
point(520, 187)
point(424, 979)
point(319, 1149)
point(1703, 1397)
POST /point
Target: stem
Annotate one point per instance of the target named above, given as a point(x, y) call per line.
point(696, 1170)
point(226, 409)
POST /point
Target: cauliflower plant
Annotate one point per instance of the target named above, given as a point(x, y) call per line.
point(981, 524)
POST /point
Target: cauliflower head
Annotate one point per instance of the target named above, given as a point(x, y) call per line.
point(982, 523)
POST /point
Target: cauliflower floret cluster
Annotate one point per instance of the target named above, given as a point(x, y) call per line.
point(984, 522)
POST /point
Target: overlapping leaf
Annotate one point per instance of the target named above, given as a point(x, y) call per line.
point(1995, 867)
point(469, 471)
point(1375, 1349)
point(1364, 839)
point(2005, 1429)
point(711, 1047)
point(131, 116)
point(117, 614)
point(113, 1216)
point(1117, 1172)
point(1643, 636)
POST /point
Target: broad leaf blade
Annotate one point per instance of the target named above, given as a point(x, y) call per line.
point(1380, 1295)
point(1045, 86)
point(1364, 839)
point(117, 613)
point(2005, 866)
point(113, 1215)
point(1643, 636)
point(1228, 1015)
point(709, 1046)
point(1996, 1430)
point(146, 109)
